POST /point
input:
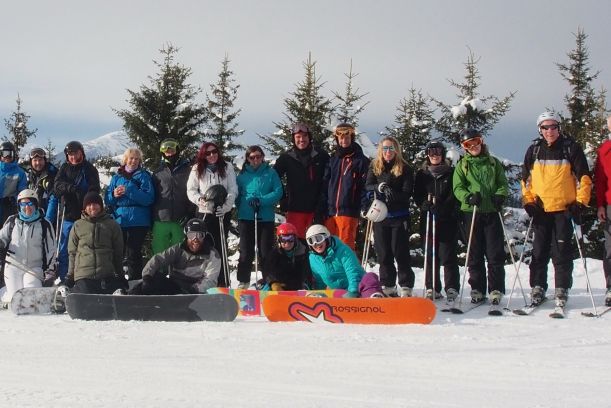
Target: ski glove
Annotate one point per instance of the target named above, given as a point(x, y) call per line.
point(429, 206)
point(69, 281)
point(385, 189)
point(277, 286)
point(575, 210)
point(350, 295)
point(254, 203)
point(498, 201)
point(474, 199)
point(49, 279)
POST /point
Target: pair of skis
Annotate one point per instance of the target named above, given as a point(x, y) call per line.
point(494, 310)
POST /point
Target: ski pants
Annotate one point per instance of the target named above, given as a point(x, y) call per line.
point(213, 227)
point(166, 234)
point(607, 257)
point(344, 227)
point(446, 238)
point(391, 242)
point(487, 243)
point(133, 237)
point(16, 279)
point(62, 259)
point(301, 221)
point(553, 239)
point(98, 286)
point(265, 238)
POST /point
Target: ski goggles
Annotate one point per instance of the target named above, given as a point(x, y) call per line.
point(195, 235)
point(299, 128)
point(25, 203)
point(434, 151)
point(471, 143)
point(38, 153)
point(316, 239)
point(346, 131)
point(549, 127)
point(286, 238)
point(168, 145)
point(7, 153)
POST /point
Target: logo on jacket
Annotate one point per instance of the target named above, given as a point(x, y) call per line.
point(319, 313)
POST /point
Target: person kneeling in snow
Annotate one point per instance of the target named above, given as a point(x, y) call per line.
point(95, 251)
point(193, 265)
point(335, 266)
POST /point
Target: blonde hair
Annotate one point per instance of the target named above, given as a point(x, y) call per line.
point(130, 151)
point(378, 162)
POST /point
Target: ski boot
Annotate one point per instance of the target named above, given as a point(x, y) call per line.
point(429, 294)
point(537, 295)
point(562, 295)
point(477, 296)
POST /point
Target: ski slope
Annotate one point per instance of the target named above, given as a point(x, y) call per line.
point(459, 360)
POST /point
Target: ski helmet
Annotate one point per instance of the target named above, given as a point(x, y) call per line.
point(38, 152)
point(547, 115)
point(344, 129)
point(29, 194)
point(73, 147)
point(469, 133)
point(168, 144)
point(377, 211)
point(316, 234)
point(286, 229)
point(7, 149)
point(216, 194)
point(434, 147)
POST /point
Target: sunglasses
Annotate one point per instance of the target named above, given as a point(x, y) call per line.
point(316, 239)
point(37, 153)
point(26, 203)
point(255, 157)
point(344, 132)
point(549, 127)
point(471, 143)
point(388, 148)
point(286, 239)
point(211, 152)
point(299, 129)
point(434, 151)
point(195, 235)
point(168, 145)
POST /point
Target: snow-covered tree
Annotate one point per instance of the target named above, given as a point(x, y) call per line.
point(472, 110)
point(351, 103)
point(166, 108)
point(17, 126)
point(307, 105)
point(222, 116)
point(413, 124)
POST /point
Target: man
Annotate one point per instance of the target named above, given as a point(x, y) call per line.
point(75, 178)
point(194, 265)
point(41, 178)
point(344, 185)
point(172, 206)
point(12, 180)
point(302, 168)
point(602, 180)
point(556, 186)
point(480, 186)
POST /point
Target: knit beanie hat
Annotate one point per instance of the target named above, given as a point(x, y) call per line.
point(92, 197)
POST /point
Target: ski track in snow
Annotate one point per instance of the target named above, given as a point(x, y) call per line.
point(459, 360)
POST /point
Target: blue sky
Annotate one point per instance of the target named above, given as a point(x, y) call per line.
point(71, 61)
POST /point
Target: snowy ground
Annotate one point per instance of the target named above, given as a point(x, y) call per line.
point(470, 360)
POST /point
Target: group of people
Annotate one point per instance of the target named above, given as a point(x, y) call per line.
point(188, 206)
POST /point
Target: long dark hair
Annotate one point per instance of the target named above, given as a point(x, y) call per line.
point(202, 161)
point(250, 150)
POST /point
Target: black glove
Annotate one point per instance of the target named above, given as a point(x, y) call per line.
point(385, 189)
point(575, 209)
point(3, 251)
point(498, 201)
point(534, 210)
point(49, 279)
point(254, 203)
point(429, 206)
point(147, 285)
point(69, 281)
point(474, 199)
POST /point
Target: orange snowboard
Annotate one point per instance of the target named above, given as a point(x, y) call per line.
point(340, 310)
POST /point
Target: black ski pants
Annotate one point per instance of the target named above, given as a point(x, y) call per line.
point(133, 237)
point(553, 239)
point(391, 242)
point(487, 243)
point(265, 242)
point(446, 238)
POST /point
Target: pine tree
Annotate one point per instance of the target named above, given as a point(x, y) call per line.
point(473, 111)
point(220, 105)
point(166, 108)
point(350, 106)
point(50, 148)
point(17, 125)
point(306, 105)
point(587, 111)
point(414, 122)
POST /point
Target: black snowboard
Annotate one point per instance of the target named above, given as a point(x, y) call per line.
point(174, 308)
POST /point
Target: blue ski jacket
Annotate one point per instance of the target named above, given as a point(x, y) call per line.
point(262, 183)
point(337, 267)
point(132, 209)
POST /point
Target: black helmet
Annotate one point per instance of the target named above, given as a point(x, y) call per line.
point(217, 194)
point(7, 149)
point(434, 147)
point(469, 133)
point(195, 225)
point(73, 146)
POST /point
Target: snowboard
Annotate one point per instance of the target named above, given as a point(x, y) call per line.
point(168, 308)
point(250, 300)
point(356, 310)
point(29, 301)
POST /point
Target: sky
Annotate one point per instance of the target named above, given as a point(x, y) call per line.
point(71, 62)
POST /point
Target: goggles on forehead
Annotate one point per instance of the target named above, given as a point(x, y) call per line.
point(471, 143)
point(168, 145)
point(345, 131)
point(299, 128)
point(195, 235)
point(316, 239)
point(37, 152)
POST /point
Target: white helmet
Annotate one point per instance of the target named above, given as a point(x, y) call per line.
point(316, 234)
point(377, 211)
point(547, 116)
point(28, 193)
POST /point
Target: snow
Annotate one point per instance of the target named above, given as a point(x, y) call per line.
point(458, 360)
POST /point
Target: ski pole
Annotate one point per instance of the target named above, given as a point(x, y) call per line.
point(426, 249)
point(12, 261)
point(462, 286)
point(225, 261)
point(433, 259)
point(256, 247)
point(366, 244)
point(513, 261)
point(585, 267)
point(517, 277)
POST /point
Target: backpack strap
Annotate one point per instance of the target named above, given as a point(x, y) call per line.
point(45, 229)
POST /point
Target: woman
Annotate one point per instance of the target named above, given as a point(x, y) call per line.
point(391, 180)
point(287, 267)
point(28, 237)
point(433, 194)
point(259, 190)
point(211, 169)
point(130, 195)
